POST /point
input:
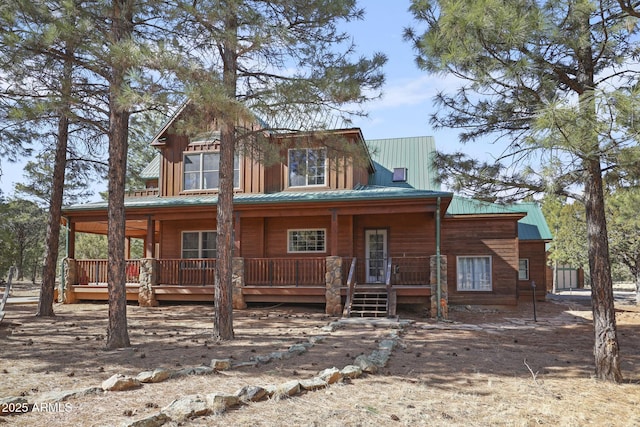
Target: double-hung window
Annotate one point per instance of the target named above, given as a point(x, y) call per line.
point(306, 241)
point(199, 244)
point(523, 269)
point(201, 171)
point(307, 167)
point(474, 273)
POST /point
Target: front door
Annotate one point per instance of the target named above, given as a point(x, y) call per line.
point(376, 254)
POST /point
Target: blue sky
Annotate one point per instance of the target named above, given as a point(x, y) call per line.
point(406, 104)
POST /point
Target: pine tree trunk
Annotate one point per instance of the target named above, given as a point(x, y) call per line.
point(223, 298)
point(606, 350)
point(117, 333)
point(52, 240)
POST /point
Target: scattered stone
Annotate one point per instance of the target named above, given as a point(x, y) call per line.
point(61, 396)
point(221, 364)
point(219, 402)
point(288, 389)
point(298, 349)
point(351, 371)
point(252, 393)
point(366, 364)
point(330, 375)
point(317, 339)
point(119, 382)
point(156, 376)
point(155, 420)
point(313, 384)
point(187, 407)
point(202, 370)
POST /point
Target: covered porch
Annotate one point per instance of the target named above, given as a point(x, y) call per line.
point(322, 280)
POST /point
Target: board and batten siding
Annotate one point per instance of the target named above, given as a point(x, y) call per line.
point(493, 237)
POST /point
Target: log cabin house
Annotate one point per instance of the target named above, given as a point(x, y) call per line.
point(316, 227)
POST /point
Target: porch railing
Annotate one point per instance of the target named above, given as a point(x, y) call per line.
point(285, 271)
point(404, 271)
point(187, 272)
point(94, 271)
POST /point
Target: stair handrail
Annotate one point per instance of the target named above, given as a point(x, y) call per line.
point(388, 281)
point(351, 286)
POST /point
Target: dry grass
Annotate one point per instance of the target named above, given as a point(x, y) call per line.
point(509, 372)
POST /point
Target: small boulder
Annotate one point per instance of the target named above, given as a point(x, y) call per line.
point(119, 382)
point(155, 376)
point(251, 393)
point(219, 402)
point(330, 375)
point(313, 384)
point(155, 420)
point(187, 407)
point(288, 389)
point(221, 364)
point(366, 364)
point(351, 371)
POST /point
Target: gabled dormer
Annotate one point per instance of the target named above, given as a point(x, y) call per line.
point(303, 161)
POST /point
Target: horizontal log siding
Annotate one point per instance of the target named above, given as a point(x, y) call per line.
point(409, 236)
point(171, 244)
point(534, 251)
point(276, 235)
point(252, 237)
point(480, 237)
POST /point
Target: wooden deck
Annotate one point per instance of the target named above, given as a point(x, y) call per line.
point(252, 294)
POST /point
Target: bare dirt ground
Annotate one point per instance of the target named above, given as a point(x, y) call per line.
point(486, 367)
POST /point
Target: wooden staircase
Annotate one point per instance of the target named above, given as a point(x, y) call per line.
point(369, 301)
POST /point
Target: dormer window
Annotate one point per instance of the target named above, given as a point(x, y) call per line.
point(201, 171)
point(399, 175)
point(307, 167)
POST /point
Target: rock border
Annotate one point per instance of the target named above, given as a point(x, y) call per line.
point(187, 407)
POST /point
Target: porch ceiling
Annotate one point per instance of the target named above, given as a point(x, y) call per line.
point(134, 228)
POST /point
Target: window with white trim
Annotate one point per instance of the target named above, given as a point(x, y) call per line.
point(201, 171)
point(199, 244)
point(523, 269)
point(307, 167)
point(474, 273)
point(310, 240)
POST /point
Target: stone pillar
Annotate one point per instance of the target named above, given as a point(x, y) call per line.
point(333, 279)
point(70, 278)
point(148, 277)
point(237, 281)
point(444, 294)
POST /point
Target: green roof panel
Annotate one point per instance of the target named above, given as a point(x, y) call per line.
point(152, 171)
point(415, 154)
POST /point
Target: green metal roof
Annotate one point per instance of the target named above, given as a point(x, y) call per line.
point(362, 193)
point(152, 170)
point(415, 154)
point(462, 206)
point(533, 226)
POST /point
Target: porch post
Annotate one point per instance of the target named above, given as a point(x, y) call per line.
point(334, 232)
point(237, 279)
point(70, 279)
point(149, 242)
point(148, 277)
point(439, 305)
point(71, 242)
point(333, 279)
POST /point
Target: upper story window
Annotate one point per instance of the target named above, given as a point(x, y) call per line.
point(201, 171)
point(307, 166)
